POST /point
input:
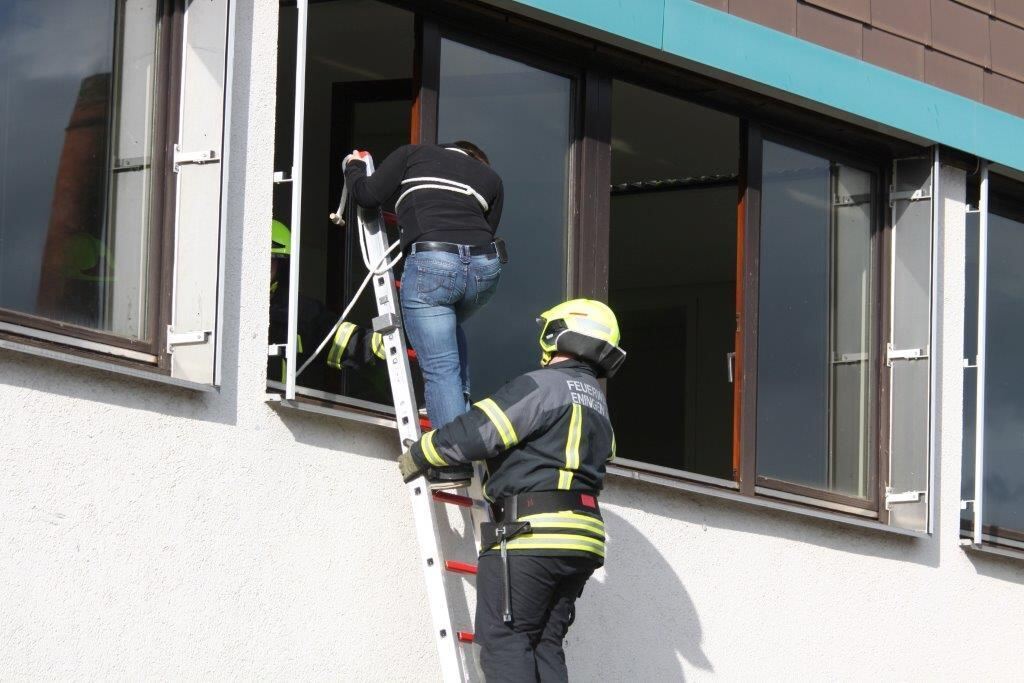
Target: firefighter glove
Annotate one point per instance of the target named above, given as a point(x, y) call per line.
point(409, 467)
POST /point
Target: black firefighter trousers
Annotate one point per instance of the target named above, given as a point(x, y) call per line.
point(544, 592)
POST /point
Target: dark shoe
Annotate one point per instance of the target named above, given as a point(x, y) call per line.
point(450, 477)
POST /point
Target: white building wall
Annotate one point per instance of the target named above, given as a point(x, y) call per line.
point(148, 531)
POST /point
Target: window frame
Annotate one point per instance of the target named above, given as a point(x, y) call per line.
point(432, 25)
point(997, 196)
point(750, 481)
point(595, 66)
point(17, 326)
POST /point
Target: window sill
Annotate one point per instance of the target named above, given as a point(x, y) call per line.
point(678, 482)
point(992, 549)
point(95, 361)
point(306, 405)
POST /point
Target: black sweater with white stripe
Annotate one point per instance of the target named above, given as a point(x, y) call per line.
point(432, 213)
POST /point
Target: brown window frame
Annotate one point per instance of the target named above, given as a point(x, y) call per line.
point(752, 483)
point(594, 66)
point(107, 346)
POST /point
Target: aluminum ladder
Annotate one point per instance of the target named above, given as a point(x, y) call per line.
point(453, 646)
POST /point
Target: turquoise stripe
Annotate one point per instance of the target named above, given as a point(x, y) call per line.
point(728, 46)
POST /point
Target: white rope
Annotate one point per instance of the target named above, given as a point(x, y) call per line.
point(348, 309)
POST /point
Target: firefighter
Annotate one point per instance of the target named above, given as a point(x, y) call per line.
point(350, 347)
point(449, 202)
point(545, 437)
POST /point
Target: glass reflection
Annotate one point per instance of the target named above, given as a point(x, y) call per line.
point(521, 117)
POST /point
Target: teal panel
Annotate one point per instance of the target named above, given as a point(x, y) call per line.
point(638, 20)
point(751, 51)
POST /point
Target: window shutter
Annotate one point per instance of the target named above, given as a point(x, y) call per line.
point(191, 336)
point(908, 348)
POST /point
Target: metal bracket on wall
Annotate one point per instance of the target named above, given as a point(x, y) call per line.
point(909, 195)
point(205, 156)
point(892, 498)
point(275, 350)
point(282, 177)
point(964, 504)
point(183, 338)
point(892, 354)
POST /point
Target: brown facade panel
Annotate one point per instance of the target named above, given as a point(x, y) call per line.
point(907, 18)
point(717, 4)
point(960, 31)
point(894, 53)
point(1004, 93)
point(986, 6)
point(954, 74)
point(1011, 11)
point(1007, 49)
point(830, 30)
point(777, 14)
point(855, 9)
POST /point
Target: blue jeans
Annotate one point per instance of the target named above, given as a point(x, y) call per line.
point(440, 291)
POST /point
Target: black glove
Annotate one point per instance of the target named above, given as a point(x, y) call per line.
point(409, 468)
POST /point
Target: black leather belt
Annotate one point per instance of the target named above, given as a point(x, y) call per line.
point(512, 508)
point(480, 250)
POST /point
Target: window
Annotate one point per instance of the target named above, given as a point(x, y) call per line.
point(816, 347)
point(86, 198)
point(520, 110)
point(775, 300)
point(996, 513)
point(775, 383)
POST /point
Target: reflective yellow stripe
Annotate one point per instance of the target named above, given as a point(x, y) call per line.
point(501, 422)
point(565, 525)
point(572, 448)
point(613, 447)
point(341, 338)
point(566, 518)
point(427, 444)
point(557, 542)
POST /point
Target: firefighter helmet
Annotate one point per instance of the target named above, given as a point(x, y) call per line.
point(280, 240)
point(583, 328)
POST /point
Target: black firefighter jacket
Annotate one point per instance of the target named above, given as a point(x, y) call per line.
point(547, 430)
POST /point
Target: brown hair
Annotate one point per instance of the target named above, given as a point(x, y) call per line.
point(472, 150)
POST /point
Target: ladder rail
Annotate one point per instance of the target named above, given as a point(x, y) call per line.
point(453, 659)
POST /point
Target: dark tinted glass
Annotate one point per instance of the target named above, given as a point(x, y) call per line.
point(76, 105)
point(521, 117)
point(1004, 377)
point(815, 329)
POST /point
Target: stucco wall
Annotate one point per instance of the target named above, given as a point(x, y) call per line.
point(146, 531)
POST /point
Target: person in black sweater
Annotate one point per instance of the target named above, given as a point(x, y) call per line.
point(449, 201)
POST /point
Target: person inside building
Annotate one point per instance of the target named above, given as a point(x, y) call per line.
point(449, 202)
point(546, 437)
point(350, 346)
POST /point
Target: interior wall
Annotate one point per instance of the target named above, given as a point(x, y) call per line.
point(673, 254)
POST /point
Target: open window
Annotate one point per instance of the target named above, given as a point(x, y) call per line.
point(993, 466)
point(672, 281)
point(111, 117)
point(375, 77)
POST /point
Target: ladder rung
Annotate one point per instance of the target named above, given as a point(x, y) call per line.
point(465, 636)
point(452, 499)
point(460, 567)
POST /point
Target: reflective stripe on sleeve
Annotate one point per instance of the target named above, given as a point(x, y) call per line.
point(427, 444)
point(500, 420)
